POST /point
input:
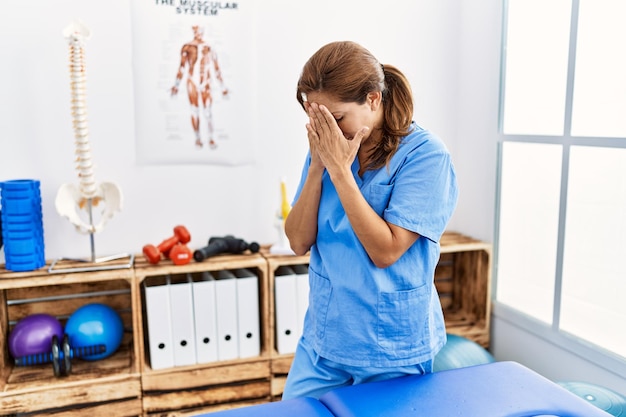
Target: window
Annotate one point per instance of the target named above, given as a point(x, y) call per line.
point(536, 67)
point(561, 226)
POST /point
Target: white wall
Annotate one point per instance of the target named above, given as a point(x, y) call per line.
point(475, 148)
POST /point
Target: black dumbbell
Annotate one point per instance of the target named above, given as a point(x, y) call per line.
point(226, 244)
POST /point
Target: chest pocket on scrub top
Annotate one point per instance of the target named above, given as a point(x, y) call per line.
point(378, 195)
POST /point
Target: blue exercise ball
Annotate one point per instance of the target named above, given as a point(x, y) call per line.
point(95, 324)
point(603, 398)
point(460, 352)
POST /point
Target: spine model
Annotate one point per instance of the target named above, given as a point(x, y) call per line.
point(70, 199)
point(77, 37)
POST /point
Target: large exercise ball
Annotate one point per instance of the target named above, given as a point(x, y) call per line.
point(603, 398)
point(33, 335)
point(460, 352)
point(95, 324)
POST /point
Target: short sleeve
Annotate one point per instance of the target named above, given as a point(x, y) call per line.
point(425, 191)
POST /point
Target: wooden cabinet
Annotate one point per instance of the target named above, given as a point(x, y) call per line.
point(280, 363)
point(463, 281)
point(111, 386)
point(124, 384)
point(211, 386)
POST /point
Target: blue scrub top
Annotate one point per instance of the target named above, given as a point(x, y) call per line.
point(362, 315)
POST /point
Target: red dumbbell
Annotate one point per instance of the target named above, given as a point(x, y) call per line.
point(180, 254)
point(153, 253)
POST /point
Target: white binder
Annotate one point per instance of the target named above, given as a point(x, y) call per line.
point(302, 294)
point(157, 295)
point(205, 317)
point(182, 321)
point(226, 307)
point(285, 297)
point(248, 313)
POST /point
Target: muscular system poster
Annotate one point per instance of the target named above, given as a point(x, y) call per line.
point(193, 70)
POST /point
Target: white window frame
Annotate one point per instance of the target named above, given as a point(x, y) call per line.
point(551, 332)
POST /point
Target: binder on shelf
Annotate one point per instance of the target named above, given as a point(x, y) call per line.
point(248, 323)
point(285, 296)
point(157, 296)
point(182, 320)
point(205, 317)
point(226, 307)
point(302, 294)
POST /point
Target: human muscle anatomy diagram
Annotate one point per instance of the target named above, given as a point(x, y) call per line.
point(199, 69)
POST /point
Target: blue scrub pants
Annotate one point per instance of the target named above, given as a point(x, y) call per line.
point(312, 376)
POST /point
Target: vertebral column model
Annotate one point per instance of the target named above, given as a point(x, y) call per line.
point(70, 199)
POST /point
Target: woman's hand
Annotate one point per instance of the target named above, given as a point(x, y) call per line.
point(327, 141)
point(313, 140)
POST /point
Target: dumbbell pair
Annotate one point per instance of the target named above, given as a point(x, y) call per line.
point(173, 247)
point(176, 249)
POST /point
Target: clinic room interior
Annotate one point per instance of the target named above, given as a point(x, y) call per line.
point(529, 98)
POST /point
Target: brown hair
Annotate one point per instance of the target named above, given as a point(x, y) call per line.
point(348, 72)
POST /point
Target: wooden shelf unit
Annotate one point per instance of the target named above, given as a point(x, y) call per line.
point(280, 363)
point(124, 384)
point(105, 387)
point(209, 386)
point(463, 281)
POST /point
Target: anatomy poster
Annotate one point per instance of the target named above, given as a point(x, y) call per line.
point(194, 86)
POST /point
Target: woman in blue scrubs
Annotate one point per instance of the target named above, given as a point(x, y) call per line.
point(376, 193)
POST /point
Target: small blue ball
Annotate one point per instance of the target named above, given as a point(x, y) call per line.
point(95, 324)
